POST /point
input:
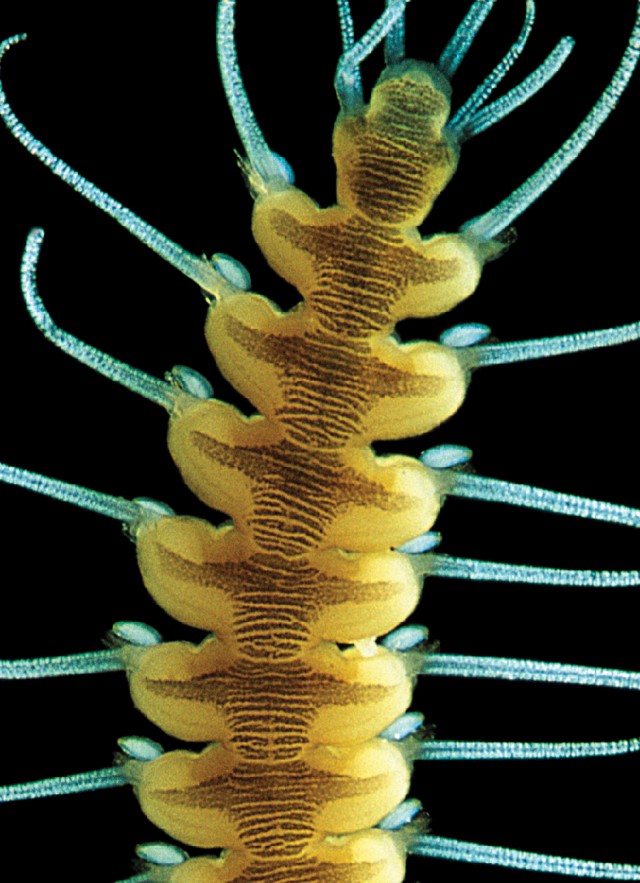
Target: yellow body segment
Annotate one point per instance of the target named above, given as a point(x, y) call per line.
point(215, 799)
point(326, 394)
point(215, 579)
point(297, 773)
point(238, 699)
point(288, 498)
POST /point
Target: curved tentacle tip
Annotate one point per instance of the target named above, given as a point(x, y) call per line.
point(11, 41)
point(5, 110)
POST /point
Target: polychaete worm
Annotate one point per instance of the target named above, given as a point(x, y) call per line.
point(135, 104)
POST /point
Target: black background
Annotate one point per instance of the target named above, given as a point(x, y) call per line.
point(131, 97)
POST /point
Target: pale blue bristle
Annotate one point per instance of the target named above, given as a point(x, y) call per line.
point(442, 749)
point(542, 348)
point(485, 89)
point(347, 80)
point(197, 269)
point(347, 33)
point(394, 42)
point(450, 567)
point(456, 49)
point(477, 487)
point(499, 856)
point(496, 668)
point(345, 18)
point(96, 662)
point(471, 125)
point(493, 222)
point(96, 780)
point(127, 511)
point(266, 165)
point(137, 381)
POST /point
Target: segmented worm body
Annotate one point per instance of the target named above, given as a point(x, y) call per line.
point(278, 532)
